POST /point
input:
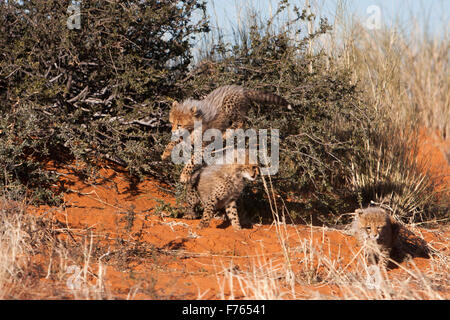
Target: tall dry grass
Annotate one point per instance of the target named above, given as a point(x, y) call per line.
point(14, 247)
point(323, 274)
point(403, 71)
point(403, 67)
point(30, 251)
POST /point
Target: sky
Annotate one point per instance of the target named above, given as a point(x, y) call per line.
point(432, 15)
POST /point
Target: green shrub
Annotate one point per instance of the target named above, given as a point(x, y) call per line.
point(326, 125)
point(98, 92)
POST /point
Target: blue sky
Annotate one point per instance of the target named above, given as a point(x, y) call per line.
point(432, 15)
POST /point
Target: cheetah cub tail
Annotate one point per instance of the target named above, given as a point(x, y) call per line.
point(267, 98)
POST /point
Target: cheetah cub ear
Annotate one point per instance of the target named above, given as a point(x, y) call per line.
point(195, 112)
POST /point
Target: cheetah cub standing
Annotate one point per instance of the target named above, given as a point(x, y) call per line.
point(218, 186)
point(377, 232)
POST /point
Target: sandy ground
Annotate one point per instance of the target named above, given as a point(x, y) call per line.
point(138, 253)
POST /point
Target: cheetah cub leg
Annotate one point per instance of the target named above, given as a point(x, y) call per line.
point(208, 211)
point(232, 214)
point(383, 258)
point(187, 172)
point(192, 200)
point(190, 167)
point(196, 159)
point(168, 150)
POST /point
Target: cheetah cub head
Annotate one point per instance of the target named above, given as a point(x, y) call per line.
point(183, 115)
point(250, 171)
point(375, 225)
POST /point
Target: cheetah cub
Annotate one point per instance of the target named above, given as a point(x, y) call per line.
point(377, 232)
point(224, 108)
point(218, 186)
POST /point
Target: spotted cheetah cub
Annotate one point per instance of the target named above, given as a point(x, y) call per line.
point(377, 232)
point(224, 108)
point(218, 186)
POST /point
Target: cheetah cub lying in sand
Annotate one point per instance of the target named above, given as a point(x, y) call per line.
point(377, 232)
point(217, 187)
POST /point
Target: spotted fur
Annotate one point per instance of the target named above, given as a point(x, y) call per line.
point(218, 187)
point(377, 232)
point(224, 108)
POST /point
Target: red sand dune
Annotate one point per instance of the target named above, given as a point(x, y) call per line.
point(183, 262)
